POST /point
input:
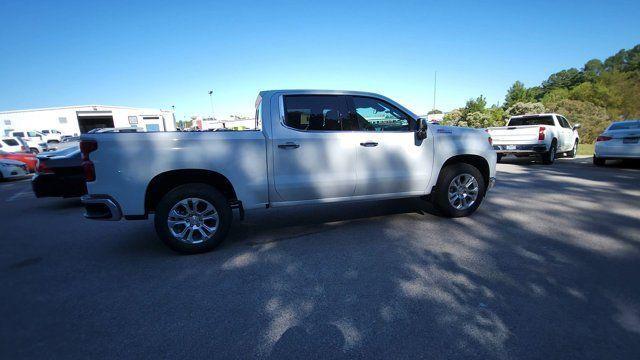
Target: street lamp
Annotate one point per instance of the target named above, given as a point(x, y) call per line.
point(211, 101)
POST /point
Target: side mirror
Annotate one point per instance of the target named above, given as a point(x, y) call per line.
point(576, 126)
point(421, 133)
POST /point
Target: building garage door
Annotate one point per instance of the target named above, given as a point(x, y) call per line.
point(90, 122)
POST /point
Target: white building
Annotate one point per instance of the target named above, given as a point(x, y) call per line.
point(75, 120)
point(235, 123)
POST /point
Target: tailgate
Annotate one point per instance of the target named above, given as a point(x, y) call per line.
point(507, 135)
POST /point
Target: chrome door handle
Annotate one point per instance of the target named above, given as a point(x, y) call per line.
point(288, 145)
point(369, 144)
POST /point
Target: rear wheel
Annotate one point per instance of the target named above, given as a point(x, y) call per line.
point(34, 150)
point(459, 191)
point(550, 156)
point(193, 218)
point(599, 161)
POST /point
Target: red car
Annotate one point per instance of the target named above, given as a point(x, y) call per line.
point(27, 158)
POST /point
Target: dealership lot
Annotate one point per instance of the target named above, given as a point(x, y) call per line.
point(548, 267)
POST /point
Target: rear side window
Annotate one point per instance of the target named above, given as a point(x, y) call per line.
point(317, 113)
point(532, 120)
point(18, 134)
point(625, 125)
point(10, 142)
point(378, 115)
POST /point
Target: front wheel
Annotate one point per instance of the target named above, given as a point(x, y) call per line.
point(34, 151)
point(598, 161)
point(574, 151)
point(193, 218)
point(459, 191)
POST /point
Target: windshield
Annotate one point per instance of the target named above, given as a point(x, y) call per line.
point(531, 120)
point(626, 125)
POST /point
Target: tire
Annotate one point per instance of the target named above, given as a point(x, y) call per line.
point(599, 161)
point(175, 199)
point(572, 154)
point(34, 151)
point(499, 158)
point(445, 183)
point(550, 156)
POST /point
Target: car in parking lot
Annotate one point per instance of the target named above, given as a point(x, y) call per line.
point(619, 141)
point(544, 135)
point(11, 144)
point(314, 147)
point(11, 169)
point(27, 158)
point(59, 174)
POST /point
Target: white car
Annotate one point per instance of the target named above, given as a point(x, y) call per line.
point(11, 169)
point(544, 135)
point(52, 135)
point(621, 140)
point(11, 144)
point(313, 147)
point(36, 141)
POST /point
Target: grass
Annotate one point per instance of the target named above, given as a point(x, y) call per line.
point(586, 149)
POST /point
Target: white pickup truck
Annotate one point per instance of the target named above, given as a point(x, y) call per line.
point(545, 135)
point(312, 147)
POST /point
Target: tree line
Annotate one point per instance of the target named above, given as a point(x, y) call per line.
point(595, 95)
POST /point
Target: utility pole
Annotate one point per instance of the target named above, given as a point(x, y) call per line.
point(435, 79)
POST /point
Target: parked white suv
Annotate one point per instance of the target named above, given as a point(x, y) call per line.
point(545, 135)
point(35, 140)
point(52, 135)
point(314, 147)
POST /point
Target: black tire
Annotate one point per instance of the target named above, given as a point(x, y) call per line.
point(499, 157)
point(572, 154)
point(440, 196)
point(34, 151)
point(194, 190)
point(550, 156)
point(599, 161)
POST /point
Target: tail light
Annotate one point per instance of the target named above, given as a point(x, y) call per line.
point(489, 139)
point(87, 147)
point(603, 138)
point(42, 168)
point(541, 133)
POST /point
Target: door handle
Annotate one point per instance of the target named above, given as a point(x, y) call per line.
point(369, 144)
point(288, 145)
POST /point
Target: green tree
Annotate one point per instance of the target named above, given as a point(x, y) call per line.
point(475, 105)
point(525, 108)
point(516, 93)
point(563, 79)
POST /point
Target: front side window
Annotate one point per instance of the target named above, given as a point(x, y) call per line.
point(317, 113)
point(378, 115)
point(18, 134)
point(563, 122)
point(32, 134)
point(45, 131)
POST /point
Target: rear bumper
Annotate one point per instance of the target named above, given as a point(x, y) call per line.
point(520, 149)
point(101, 207)
point(53, 185)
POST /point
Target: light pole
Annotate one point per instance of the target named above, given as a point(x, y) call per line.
point(211, 101)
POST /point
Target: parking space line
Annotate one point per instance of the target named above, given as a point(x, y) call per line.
point(20, 195)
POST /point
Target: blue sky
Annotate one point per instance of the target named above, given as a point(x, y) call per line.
point(163, 53)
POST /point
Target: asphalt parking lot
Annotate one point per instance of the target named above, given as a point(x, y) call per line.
point(549, 267)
